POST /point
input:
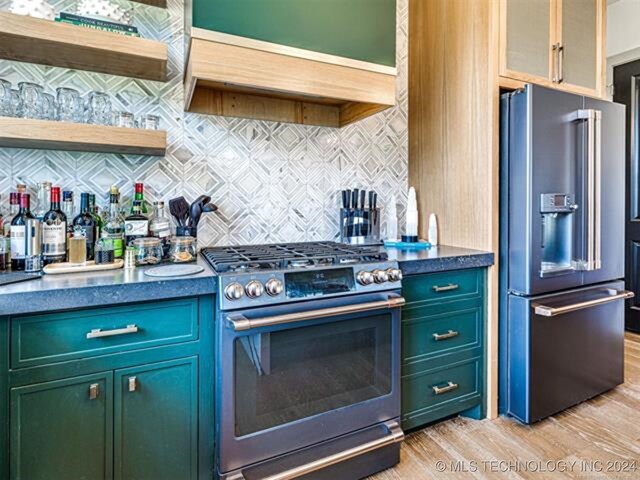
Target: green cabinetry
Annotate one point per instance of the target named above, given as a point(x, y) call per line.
point(443, 346)
point(120, 393)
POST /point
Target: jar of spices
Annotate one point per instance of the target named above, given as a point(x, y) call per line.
point(183, 249)
point(148, 251)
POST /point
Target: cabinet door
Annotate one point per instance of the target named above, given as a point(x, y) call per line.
point(526, 38)
point(581, 36)
point(156, 421)
point(62, 430)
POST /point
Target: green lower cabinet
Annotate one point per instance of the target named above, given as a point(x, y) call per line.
point(63, 430)
point(156, 423)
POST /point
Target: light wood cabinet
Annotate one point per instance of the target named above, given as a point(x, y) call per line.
point(555, 43)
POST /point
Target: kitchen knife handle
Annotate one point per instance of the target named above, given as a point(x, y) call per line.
point(345, 199)
point(363, 194)
point(354, 198)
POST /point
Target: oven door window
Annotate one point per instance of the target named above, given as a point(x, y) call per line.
point(291, 374)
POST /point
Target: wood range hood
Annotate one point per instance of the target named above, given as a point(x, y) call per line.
point(236, 76)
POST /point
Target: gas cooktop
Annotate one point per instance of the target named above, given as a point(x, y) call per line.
point(285, 256)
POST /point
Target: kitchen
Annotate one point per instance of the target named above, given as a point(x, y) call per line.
point(290, 354)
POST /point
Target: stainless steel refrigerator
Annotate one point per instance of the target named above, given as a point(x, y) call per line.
point(561, 250)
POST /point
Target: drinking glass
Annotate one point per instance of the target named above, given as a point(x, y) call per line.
point(98, 108)
point(69, 106)
point(15, 103)
point(123, 120)
point(30, 105)
point(5, 98)
point(149, 122)
point(78, 250)
point(49, 107)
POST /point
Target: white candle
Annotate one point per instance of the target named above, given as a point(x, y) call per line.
point(411, 228)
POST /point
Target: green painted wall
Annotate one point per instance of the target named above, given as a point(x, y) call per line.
point(360, 29)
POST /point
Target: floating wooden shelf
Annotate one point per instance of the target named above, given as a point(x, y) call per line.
point(49, 135)
point(238, 77)
point(155, 3)
point(26, 39)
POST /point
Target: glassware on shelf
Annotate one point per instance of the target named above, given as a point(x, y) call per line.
point(98, 108)
point(68, 105)
point(5, 99)
point(183, 250)
point(15, 102)
point(149, 122)
point(33, 8)
point(48, 106)
point(123, 119)
point(148, 251)
point(31, 100)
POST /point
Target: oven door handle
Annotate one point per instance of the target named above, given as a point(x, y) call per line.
point(239, 322)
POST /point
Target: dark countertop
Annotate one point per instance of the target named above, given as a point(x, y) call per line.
point(439, 259)
point(78, 290)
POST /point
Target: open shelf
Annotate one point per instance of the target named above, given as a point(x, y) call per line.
point(49, 135)
point(154, 3)
point(27, 39)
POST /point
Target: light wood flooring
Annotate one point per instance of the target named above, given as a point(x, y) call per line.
point(597, 439)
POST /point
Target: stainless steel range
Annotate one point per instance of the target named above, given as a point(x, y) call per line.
point(308, 372)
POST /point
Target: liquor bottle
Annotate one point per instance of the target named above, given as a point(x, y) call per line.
point(136, 225)
point(14, 206)
point(84, 225)
point(94, 212)
point(42, 200)
point(69, 211)
point(21, 188)
point(114, 227)
point(160, 227)
point(139, 196)
point(18, 232)
point(54, 231)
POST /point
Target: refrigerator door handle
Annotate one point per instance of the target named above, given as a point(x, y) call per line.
point(594, 175)
point(547, 311)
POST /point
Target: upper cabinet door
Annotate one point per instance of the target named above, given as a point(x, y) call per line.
point(580, 29)
point(526, 39)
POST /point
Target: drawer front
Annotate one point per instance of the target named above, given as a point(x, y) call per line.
point(58, 337)
point(430, 390)
point(435, 335)
point(435, 287)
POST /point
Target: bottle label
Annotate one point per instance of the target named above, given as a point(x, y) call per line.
point(17, 242)
point(161, 230)
point(118, 247)
point(54, 237)
point(136, 228)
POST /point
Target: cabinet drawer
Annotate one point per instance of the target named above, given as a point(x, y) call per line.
point(446, 390)
point(434, 287)
point(434, 335)
point(63, 336)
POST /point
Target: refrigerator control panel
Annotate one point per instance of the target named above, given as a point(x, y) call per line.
point(557, 202)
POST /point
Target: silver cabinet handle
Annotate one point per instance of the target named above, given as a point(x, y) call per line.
point(450, 387)
point(557, 74)
point(240, 322)
point(133, 384)
point(446, 288)
point(94, 391)
point(395, 435)
point(560, 63)
point(99, 333)
point(547, 311)
point(444, 336)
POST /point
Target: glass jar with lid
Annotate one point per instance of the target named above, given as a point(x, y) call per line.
point(183, 249)
point(148, 251)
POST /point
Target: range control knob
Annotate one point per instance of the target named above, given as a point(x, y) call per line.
point(364, 277)
point(274, 287)
point(380, 276)
point(395, 274)
point(234, 291)
point(254, 289)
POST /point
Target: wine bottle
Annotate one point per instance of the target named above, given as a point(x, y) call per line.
point(84, 225)
point(136, 225)
point(139, 196)
point(18, 232)
point(94, 212)
point(54, 231)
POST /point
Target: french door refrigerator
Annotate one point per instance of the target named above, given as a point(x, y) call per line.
point(561, 250)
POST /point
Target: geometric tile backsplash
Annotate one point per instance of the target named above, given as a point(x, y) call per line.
point(273, 182)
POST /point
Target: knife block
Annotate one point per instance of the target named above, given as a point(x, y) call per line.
point(360, 226)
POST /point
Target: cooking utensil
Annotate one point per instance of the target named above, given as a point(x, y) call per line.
point(209, 207)
point(179, 208)
point(196, 209)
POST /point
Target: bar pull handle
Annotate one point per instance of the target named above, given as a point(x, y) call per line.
point(560, 63)
point(99, 333)
point(445, 336)
point(446, 288)
point(94, 391)
point(557, 76)
point(395, 435)
point(449, 388)
point(547, 311)
point(133, 384)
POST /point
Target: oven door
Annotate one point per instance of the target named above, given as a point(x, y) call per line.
point(290, 376)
